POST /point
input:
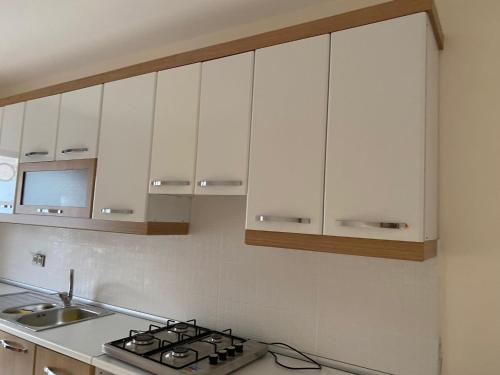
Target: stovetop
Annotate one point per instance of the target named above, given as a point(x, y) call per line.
point(185, 348)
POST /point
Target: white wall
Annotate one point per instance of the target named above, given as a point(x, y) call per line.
point(377, 313)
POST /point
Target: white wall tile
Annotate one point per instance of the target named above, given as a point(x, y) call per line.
point(377, 313)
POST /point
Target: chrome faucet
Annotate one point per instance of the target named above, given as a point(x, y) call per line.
point(66, 297)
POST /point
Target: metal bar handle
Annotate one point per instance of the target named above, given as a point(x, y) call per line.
point(372, 224)
point(282, 219)
point(13, 346)
point(207, 183)
point(74, 150)
point(36, 153)
point(123, 211)
point(48, 371)
point(170, 183)
point(49, 211)
point(6, 206)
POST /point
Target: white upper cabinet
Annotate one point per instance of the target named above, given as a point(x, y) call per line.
point(224, 127)
point(79, 124)
point(40, 129)
point(124, 149)
point(175, 130)
point(383, 105)
point(11, 126)
point(287, 149)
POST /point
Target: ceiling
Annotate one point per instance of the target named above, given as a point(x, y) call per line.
point(41, 38)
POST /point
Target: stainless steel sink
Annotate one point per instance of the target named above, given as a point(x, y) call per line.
point(56, 317)
point(38, 312)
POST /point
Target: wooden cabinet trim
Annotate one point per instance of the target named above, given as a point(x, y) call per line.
point(60, 363)
point(78, 164)
point(360, 17)
point(128, 227)
point(404, 250)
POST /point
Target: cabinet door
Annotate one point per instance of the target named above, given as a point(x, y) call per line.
point(124, 149)
point(175, 130)
point(79, 124)
point(40, 129)
point(50, 362)
point(287, 148)
point(11, 127)
point(224, 130)
point(376, 131)
point(17, 356)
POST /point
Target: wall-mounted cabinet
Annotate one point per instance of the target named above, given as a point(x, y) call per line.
point(287, 149)
point(382, 130)
point(79, 122)
point(122, 178)
point(173, 156)
point(40, 129)
point(11, 126)
point(380, 196)
point(224, 125)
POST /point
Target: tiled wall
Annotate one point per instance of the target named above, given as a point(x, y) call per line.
point(377, 313)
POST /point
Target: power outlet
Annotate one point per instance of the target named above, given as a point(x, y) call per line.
point(38, 260)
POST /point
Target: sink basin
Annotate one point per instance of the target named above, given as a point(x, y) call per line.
point(56, 317)
point(29, 308)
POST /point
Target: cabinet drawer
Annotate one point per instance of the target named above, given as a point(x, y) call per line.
point(48, 362)
point(17, 356)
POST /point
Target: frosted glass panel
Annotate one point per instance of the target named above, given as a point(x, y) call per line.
point(56, 188)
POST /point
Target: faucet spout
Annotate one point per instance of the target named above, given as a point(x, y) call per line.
point(67, 297)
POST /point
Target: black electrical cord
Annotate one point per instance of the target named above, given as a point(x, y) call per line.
point(317, 366)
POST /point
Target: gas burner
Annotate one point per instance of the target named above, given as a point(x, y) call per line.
point(180, 352)
point(215, 338)
point(143, 339)
point(180, 327)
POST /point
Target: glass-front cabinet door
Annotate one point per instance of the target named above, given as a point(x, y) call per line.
point(11, 124)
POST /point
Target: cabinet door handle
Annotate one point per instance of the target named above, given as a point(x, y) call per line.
point(36, 153)
point(123, 211)
point(48, 371)
point(170, 183)
point(6, 206)
point(371, 224)
point(282, 219)
point(74, 150)
point(207, 183)
point(49, 211)
point(13, 346)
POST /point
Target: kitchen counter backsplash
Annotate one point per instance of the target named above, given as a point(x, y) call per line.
point(378, 313)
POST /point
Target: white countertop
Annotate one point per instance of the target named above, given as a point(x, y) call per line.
point(265, 366)
point(83, 341)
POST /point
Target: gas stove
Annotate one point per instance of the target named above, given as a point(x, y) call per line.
point(185, 348)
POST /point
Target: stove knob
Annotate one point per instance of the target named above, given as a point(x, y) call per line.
point(239, 347)
point(213, 358)
point(222, 355)
point(231, 351)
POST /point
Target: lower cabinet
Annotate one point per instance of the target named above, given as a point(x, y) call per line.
point(21, 357)
point(48, 362)
point(17, 356)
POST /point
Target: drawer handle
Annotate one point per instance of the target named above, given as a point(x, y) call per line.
point(13, 346)
point(371, 224)
point(48, 371)
point(74, 150)
point(282, 219)
point(207, 183)
point(49, 211)
point(170, 183)
point(36, 153)
point(116, 211)
point(6, 206)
